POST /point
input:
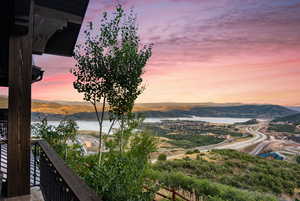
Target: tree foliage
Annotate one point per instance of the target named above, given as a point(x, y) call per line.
point(239, 170)
point(205, 190)
point(162, 157)
point(298, 159)
point(110, 64)
point(122, 174)
point(62, 137)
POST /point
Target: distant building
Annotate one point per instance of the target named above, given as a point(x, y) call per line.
point(272, 155)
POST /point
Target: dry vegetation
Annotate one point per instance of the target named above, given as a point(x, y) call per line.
point(67, 108)
point(56, 108)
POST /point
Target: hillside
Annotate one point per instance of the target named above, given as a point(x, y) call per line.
point(69, 107)
point(242, 111)
point(84, 111)
point(296, 108)
point(239, 170)
point(3, 102)
point(294, 118)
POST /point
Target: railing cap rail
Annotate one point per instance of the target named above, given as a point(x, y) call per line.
point(81, 190)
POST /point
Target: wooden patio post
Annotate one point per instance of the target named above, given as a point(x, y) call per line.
point(173, 194)
point(19, 114)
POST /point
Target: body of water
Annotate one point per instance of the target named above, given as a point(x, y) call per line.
point(94, 126)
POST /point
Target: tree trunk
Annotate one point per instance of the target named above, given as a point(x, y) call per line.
point(100, 125)
point(111, 126)
point(99, 122)
point(122, 130)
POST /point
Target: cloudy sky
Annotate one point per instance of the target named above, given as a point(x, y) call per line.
point(205, 51)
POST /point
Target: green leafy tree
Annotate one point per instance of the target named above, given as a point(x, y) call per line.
point(122, 174)
point(62, 137)
point(109, 67)
point(45, 131)
point(67, 131)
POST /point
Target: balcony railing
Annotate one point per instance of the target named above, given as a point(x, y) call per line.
point(34, 164)
point(57, 181)
point(48, 171)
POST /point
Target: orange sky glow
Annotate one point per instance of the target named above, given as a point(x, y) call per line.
point(204, 51)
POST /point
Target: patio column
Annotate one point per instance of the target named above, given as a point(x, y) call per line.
point(19, 114)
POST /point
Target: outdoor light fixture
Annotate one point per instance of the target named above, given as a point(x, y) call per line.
point(37, 74)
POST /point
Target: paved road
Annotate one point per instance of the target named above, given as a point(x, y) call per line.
point(260, 147)
point(257, 138)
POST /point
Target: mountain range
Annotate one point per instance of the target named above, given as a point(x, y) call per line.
point(56, 110)
point(294, 118)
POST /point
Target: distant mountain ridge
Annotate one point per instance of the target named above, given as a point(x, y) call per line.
point(242, 111)
point(69, 107)
point(294, 118)
point(296, 108)
point(83, 111)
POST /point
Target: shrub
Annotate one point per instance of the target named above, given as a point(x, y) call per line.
point(240, 170)
point(62, 137)
point(196, 151)
point(282, 128)
point(187, 158)
point(206, 189)
point(298, 159)
point(162, 157)
point(121, 174)
point(192, 151)
point(189, 152)
point(199, 157)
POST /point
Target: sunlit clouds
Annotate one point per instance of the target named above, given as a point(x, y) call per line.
point(205, 51)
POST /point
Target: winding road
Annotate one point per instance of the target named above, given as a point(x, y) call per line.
point(258, 137)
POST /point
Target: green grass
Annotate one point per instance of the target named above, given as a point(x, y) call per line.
point(192, 140)
point(192, 134)
point(282, 128)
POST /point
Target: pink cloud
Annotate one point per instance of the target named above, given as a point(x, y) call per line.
point(204, 51)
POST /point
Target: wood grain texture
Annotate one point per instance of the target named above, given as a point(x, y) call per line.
point(82, 191)
point(19, 114)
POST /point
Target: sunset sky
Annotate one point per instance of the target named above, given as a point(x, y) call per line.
point(204, 51)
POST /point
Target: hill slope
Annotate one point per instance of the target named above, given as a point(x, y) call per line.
point(84, 111)
point(294, 118)
point(296, 108)
point(239, 170)
point(68, 107)
point(240, 111)
point(243, 111)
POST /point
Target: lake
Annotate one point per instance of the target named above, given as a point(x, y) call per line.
point(93, 125)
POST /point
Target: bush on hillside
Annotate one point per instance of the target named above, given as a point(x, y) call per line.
point(298, 159)
point(162, 157)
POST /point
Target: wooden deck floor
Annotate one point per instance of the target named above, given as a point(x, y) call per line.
point(35, 195)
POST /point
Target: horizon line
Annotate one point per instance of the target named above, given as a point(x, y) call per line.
point(167, 102)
